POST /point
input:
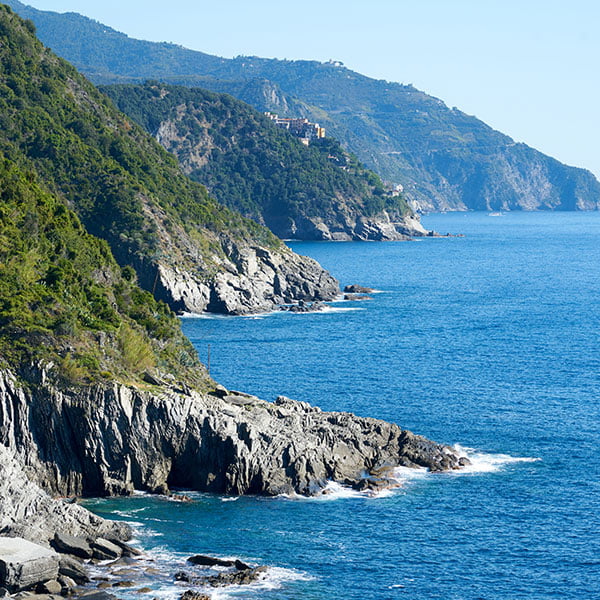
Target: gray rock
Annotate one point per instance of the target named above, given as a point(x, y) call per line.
point(357, 289)
point(244, 577)
point(70, 544)
point(67, 584)
point(51, 586)
point(303, 307)
point(105, 550)
point(191, 595)
point(97, 595)
point(108, 438)
point(127, 550)
point(24, 564)
point(357, 297)
point(25, 509)
point(251, 280)
point(124, 584)
point(211, 561)
point(69, 567)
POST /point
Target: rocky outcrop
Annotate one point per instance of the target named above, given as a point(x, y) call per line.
point(348, 227)
point(253, 280)
point(24, 564)
point(113, 439)
point(26, 510)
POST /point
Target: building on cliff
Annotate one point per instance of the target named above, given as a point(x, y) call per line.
point(300, 128)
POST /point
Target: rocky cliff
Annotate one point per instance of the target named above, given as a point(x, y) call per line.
point(112, 439)
point(230, 275)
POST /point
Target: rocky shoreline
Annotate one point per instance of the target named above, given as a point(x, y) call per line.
point(112, 439)
point(98, 568)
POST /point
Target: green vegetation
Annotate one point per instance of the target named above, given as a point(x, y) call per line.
point(56, 124)
point(64, 300)
point(251, 165)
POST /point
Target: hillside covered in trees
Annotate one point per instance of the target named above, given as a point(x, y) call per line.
point(249, 164)
point(186, 248)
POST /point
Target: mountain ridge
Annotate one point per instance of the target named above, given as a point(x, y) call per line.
point(445, 159)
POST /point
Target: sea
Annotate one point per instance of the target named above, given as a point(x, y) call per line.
point(489, 342)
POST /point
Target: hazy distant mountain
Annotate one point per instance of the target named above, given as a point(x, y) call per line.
point(445, 159)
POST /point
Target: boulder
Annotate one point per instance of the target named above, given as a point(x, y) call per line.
point(126, 549)
point(70, 567)
point(105, 550)
point(49, 587)
point(97, 595)
point(68, 585)
point(244, 577)
point(357, 297)
point(211, 561)
point(303, 307)
point(124, 584)
point(69, 544)
point(24, 564)
point(357, 289)
point(191, 595)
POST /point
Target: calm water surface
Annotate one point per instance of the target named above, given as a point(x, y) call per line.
point(490, 341)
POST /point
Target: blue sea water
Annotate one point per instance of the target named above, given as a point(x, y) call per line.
point(490, 341)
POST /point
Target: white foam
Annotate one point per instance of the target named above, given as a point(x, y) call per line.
point(336, 491)
point(229, 498)
point(405, 474)
point(483, 462)
point(333, 309)
point(275, 578)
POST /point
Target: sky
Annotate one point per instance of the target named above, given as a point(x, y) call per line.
point(528, 68)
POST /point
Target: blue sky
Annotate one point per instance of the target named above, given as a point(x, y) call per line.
point(529, 68)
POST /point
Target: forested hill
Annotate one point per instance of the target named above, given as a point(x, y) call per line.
point(263, 171)
point(185, 247)
point(444, 158)
point(65, 301)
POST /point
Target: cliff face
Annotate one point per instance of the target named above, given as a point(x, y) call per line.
point(27, 511)
point(228, 275)
point(113, 439)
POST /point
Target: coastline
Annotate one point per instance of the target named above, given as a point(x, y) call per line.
point(112, 440)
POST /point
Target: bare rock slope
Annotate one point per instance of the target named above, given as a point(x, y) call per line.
point(113, 439)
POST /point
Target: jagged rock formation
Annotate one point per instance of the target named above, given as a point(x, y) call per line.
point(112, 439)
point(251, 280)
point(26, 510)
point(444, 158)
